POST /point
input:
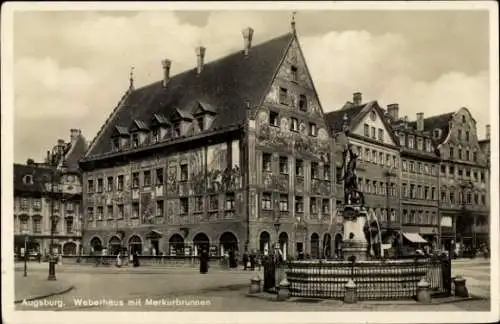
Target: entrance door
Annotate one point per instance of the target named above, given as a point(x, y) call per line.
point(300, 250)
point(155, 247)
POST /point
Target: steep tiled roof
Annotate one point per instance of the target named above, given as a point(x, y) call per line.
point(226, 84)
point(440, 121)
point(335, 119)
point(38, 174)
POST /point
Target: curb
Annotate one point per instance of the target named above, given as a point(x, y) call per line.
point(60, 292)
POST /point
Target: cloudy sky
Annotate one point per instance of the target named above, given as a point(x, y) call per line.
point(71, 68)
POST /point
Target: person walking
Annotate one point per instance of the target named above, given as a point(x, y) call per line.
point(204, 258)
point(246, 260)
point(252, 260)
point(135, 259)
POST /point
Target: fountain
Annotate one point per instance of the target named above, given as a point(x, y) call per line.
point(363, 267)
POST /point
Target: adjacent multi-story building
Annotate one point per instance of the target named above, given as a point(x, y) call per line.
point(47, 200)
point(231, 154)
point(371, 136)
point(464, 179)
point(419, 177)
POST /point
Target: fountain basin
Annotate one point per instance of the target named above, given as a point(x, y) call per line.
point(374, 279)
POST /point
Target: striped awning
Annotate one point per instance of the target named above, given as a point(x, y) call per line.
point(414, 237)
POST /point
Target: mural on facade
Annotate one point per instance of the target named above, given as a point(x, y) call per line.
point(147, 210)
point(172, 184)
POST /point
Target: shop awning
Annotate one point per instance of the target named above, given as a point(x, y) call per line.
point(414, 238)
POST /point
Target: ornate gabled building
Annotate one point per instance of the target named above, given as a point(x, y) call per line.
point(47, 199)
point(231, 154)
point(378, 160)
point(419, 176)
point(464, 179)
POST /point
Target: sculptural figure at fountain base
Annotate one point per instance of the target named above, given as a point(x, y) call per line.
point(355, 243)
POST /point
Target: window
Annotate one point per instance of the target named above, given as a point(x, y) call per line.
point(273, 118)
point(475, 176)
point(393, 189)
point(483, 199)
point(476, 199)
point(230, 201)
point(394, 161)
point(99, 185)
point(420, 144)
point(326, 172)
point(452, 152)
point(283, 99)
point(443, 195)
point(460, 172)
point(368, 186)
point(284, 203)
point(412, 191)
point(367, 154)
point(198, 204)
point(135, 180)
point(70, 206)
point(433, 170)
point(135, 140)
point(302, 102)
point(159, 208)
point(482, 177)
point(433, 193)
point(374, 135)
point(411, 142)
point(23, 220)
point(426, 168)
point(375, 187)
point(360, 152)
point(388, 160)
point(283, 165)
point(294, 125)
point(184, 205)
point(299, 204)
point(381, 158)
point(469, 198)
point(266, 162)
point(213, 202)
point(90, 186)
point(266, 201)
point(452, 170)
point(460, 154)
point(366, 130)
point(147, 178)
point(463, 119)
point(360, 184)
point(474, 156)
point(467, 136)
point(419, 167)
point(314, 170)
point(374, 156)
point(120, 211)
point(460, 134)
point(325, 206)
point(120, 183)
point(313, 131)
point(293, 72)
point(109, 211)
point(69, 224)
point(37, 204)
point(428, 145)
point(436, 133)
point(402, 139)
point(90, 213)
point(37, 225)
point(313, 206)
point(177, 129)
point(467, 155)
point(109, 184)
point(338, 174)
point(159, 177)
point(426, 193)
point(201, 122)
point(467, 173)
point(452, 197)
point(443, 169)
point(100, 212)
point(299, 168)
point(116, 143)
point(184, 172)
point(380, 134)
point(155, 135)
point(412, 166)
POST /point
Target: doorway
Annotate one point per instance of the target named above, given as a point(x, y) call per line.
point(299, 247)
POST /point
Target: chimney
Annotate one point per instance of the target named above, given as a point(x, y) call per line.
point(74, 134)
point(200, 53)
point(60, 142)
point(30, 162)
point(357, 98)
point(420, 121)
point(393, 111)
point(247, 38)
point(166, 64)
point(488, 131)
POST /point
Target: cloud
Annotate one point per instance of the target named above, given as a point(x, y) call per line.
point(73, 77)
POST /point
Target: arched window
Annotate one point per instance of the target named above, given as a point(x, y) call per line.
point(135, 244)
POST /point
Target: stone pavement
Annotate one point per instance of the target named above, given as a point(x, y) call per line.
point(36, 286)
point(477, 274)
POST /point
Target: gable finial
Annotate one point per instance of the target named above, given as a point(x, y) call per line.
point(292, 23)
point(131, 77)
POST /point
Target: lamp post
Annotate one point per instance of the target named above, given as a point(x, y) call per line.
point(25, 234)
point(52, 260)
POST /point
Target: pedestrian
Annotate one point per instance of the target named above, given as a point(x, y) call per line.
point(119, 260)
point(204, 258)
point(135, 259)
point(131, 259)
point(252, 260)
point(246, 260)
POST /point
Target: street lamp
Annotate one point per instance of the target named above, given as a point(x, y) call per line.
point(52, 260)
point(25, 234)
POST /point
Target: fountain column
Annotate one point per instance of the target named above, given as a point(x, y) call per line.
point(355, 243)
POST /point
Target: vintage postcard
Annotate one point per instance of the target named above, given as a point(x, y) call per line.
point(250, 162)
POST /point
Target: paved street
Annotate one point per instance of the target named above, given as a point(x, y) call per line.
point(154, 288)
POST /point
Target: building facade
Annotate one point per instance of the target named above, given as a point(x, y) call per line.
point(233, 154)
point(378, 164)
point(47, 200)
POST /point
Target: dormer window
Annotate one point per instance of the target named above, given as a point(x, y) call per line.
point(283, 99)
point(428, 147)
point(313, 131)
point(135, 140)
point(177, 129)
point(28, 179)
point(201, 123)
point(273, 118)
point(420, 144)
point(411, 142)
point(155, 135)
point(116, 143)
point(402, 139)
point(294, 125)
point(463, 119)
point(437, 133)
